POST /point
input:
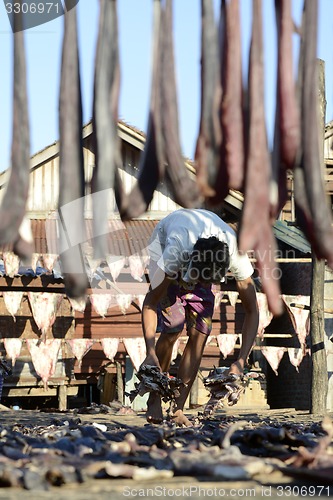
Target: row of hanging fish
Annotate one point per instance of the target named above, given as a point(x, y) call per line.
point(45, 306)
point(232, 148)
point(45, 354)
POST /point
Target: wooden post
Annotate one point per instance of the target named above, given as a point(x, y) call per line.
point(319, 386)
point(62, 397)
point(108, 391)
point(120, 383)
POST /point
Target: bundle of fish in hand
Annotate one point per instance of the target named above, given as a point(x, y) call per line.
point(225, 388)
point(151, 379)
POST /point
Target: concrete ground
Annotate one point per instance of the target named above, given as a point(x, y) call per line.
point(274, 486)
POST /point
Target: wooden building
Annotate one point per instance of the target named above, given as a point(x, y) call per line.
point(121, 319)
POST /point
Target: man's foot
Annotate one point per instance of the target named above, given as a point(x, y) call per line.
point(154, 413)
point(180, 419)
point(236, 368)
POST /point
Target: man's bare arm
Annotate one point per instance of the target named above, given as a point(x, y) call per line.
point(247, 294)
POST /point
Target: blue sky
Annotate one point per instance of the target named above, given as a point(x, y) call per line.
point(43, 49)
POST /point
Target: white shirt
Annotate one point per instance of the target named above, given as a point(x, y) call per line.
point(174, 237)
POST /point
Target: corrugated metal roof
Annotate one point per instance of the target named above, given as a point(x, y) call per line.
point(132, 237)
point(292, 236)
point(123, 239)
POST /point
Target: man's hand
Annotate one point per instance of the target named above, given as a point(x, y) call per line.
point(152, 360)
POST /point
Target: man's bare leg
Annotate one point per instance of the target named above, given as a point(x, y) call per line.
point(164, 346)
point(188, 369)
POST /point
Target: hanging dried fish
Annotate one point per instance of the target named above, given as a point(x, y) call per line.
point(184, 188)
point(287, 123)
point(151, 168)
point(312, 210)
point(13, 204)
point(255, 231)
point(207, 151)
point(105, 124)
point(71, 166)
point(258, 169)
point(232, 97)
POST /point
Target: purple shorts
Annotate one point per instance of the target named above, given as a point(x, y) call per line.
point(194, 307)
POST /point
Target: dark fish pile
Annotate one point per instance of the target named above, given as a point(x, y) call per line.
point(225, 388)
point(151, 379)
point(68, 451)
point(5, 371)
point(5, 368)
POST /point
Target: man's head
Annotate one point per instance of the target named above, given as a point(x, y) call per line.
point(209, 262)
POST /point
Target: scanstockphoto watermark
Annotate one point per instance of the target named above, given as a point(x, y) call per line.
point(26, 14)
point(262, 491)
point(189, 491)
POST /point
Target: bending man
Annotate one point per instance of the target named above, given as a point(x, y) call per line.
point(189, 251)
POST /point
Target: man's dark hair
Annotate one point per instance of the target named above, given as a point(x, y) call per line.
point(211, 257)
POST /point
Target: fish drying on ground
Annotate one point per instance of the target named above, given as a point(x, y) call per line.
point(69, 451)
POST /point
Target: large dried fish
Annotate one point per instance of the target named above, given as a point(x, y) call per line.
point(162, 144)
point(287, 124)
point(152, 160)
point(288, 111)
point(256, 231)
point(13, 204)
point(71, 166)
point(184, 189)
point(208, 145)
point(105, 118)
point(258, 168)
point(312, 209)
point(231, 159)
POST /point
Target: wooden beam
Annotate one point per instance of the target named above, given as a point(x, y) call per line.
point(23, 283)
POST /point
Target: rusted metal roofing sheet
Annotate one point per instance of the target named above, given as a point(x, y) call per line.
point(123, 239)
point(132, 237)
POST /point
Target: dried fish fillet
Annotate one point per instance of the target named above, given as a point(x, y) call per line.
point(226, 388)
